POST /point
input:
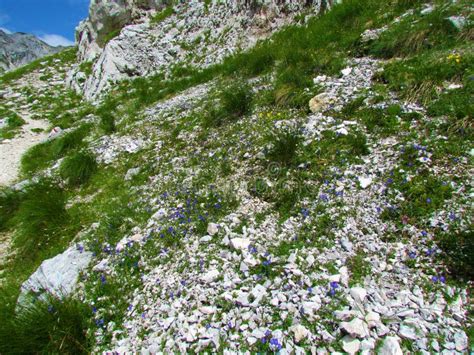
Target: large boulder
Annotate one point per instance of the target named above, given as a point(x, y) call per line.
point(57, 276)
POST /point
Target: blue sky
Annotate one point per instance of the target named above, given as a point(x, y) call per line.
point(54, 21)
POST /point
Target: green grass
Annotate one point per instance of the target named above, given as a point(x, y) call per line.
point(44, 327)
point(415, 34)
point(284, 147)
point(40, 217)
point(9, 203)
point(458, 249)
point(380, 121)
point(423, 195)
point(420, 78)
point(78, 168)
point(233, 102)
point(39, 156)
point(162, 15)
point(14, 122)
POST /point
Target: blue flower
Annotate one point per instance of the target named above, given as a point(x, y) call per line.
point(434, 279)
point(324, 197)
point(334, 284)
point(252, 249)
point(412, 254)
point(305, 212)
point(103, 279)
point(275, 343)
point(424, 233)
point(428, 200)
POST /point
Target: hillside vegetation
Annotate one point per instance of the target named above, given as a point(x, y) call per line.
point(311, 194)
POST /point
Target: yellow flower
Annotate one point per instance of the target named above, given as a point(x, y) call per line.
point(458, 60)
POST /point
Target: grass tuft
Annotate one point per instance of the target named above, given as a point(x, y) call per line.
point(52, 327)
point(78, 168)
point(40, 217)
point(234, 102)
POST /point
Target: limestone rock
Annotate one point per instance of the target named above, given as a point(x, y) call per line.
point(300, 332)
point(319, 103)
point(350, 344)
point(57, 276)
point(356, 328)
point(390, 346)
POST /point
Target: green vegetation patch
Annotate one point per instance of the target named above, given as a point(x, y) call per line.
point(39, 156)
point(78, 168)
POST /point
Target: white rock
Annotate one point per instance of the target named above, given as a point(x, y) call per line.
point(210, 276)
point(205, 239)
point(346, 71)
point(243, 267)
point(300, 332)
point(240, 243)
point(372, 319)
point(310, 260)
point(102, 266)
point(212, 229)
point(159, 215)
point(342, 131)
point(207, 310)
point(56, 131)
point(356, 328)
point(408, 332)
point(365, 181)
point(319, 103)
point(390, 346)
point(358, 293)
point(350, 344)
point(461, 341)
point(58, 275)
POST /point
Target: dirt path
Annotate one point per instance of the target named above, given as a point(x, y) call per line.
point(11, 150)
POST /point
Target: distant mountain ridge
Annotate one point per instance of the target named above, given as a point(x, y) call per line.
point(17, 49)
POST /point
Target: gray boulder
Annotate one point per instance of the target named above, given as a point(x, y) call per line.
point(57, 276)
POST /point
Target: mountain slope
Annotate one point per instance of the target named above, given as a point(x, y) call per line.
point(312, 194)
point(17, 49)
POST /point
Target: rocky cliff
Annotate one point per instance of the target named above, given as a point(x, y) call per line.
point(18, 49)
point(131, 38)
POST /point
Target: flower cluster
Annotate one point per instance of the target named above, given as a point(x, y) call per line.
point(333, 286)
point(454, 57)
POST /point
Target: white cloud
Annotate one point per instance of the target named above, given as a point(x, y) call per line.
point(6, 30)
point(56, 40)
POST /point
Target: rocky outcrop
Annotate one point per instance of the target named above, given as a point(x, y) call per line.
point(124, 42)
point(17, 49)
